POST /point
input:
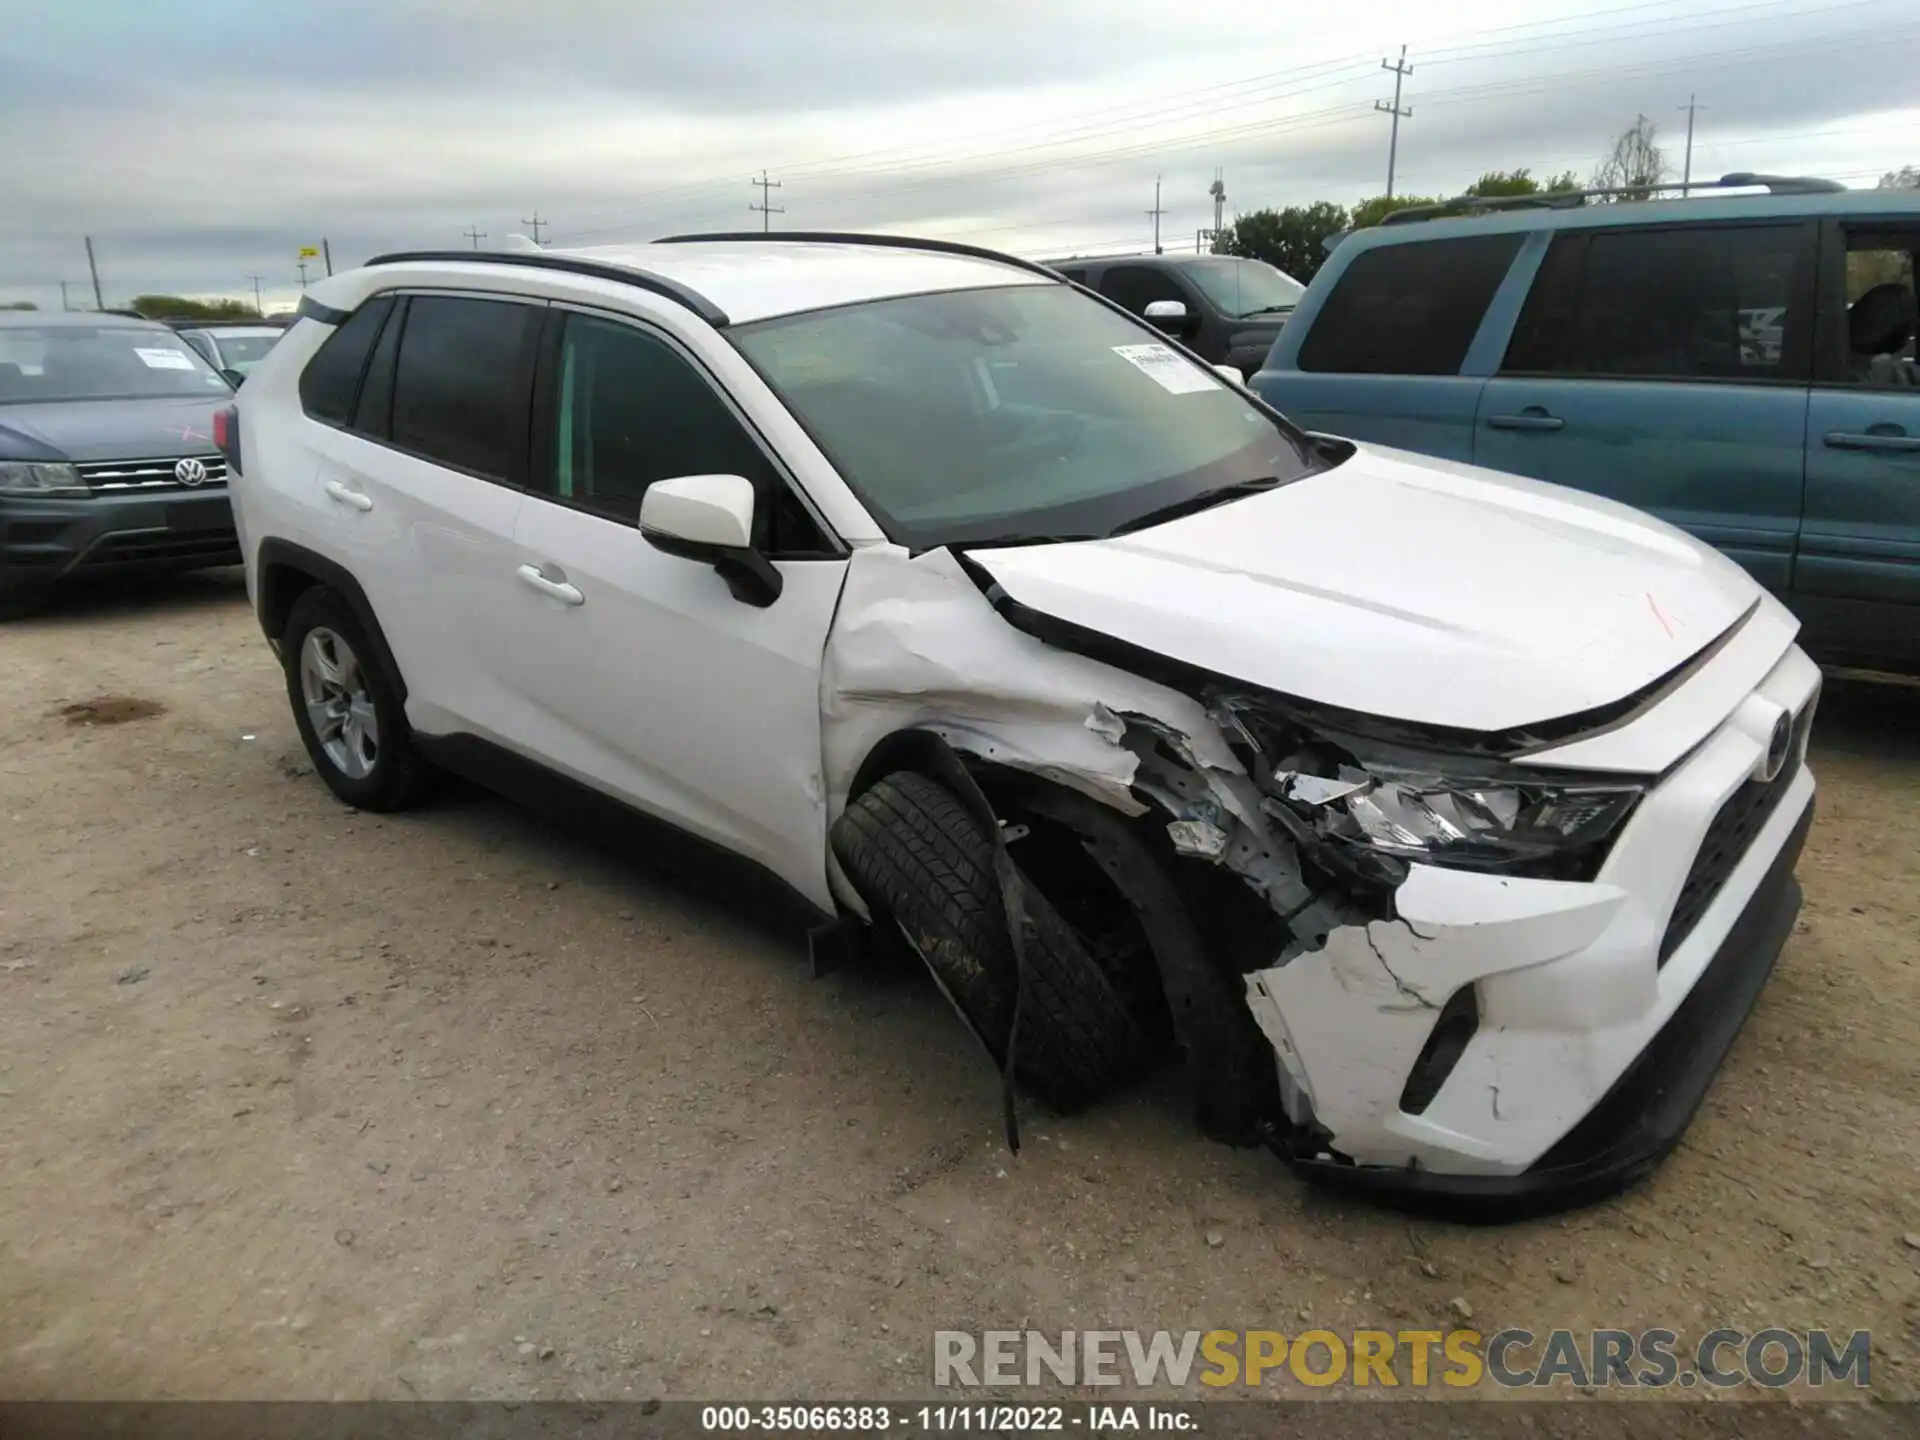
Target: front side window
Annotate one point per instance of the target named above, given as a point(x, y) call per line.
point(1020, 413)
point(1709, 303)
point(457, 382)
point(1134, 287)
point(100, 362)
point(630, 410)
point(1882, 310)
point(1242, 289)
point(1408, 309)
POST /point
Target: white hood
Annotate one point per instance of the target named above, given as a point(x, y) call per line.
point(1406, 587)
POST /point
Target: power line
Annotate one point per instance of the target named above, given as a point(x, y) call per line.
point(767, 211)
point(476, 234)
point(535, 223)
point(1400, 70)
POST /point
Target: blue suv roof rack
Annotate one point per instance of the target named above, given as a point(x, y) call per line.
point(1574, 199)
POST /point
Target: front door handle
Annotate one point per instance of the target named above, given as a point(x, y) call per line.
point(1531, 418)
point(556, 589)
point(1890, 438)
point(337, 491)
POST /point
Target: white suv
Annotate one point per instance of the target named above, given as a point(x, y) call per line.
point(1445, 822)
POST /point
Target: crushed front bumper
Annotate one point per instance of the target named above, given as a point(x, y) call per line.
point(1598, 1012)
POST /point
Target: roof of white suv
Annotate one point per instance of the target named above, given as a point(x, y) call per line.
point(751, 278)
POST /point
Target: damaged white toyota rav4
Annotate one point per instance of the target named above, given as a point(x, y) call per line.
point(1443, 822)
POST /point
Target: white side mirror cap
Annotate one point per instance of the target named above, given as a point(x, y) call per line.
point(1231, 374)
point(708, 512)
point(1166, 310)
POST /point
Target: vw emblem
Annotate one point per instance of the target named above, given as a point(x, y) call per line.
point(190, 472)
point(1779, 747)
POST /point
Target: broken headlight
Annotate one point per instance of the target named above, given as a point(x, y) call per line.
point(1359, 803)
point(1525, 827)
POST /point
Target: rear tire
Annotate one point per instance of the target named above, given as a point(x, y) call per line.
point(919, 855)
point(348, 708)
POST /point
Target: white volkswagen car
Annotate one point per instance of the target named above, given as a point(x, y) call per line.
point(1443, 822)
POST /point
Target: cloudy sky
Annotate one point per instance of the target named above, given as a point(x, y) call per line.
point(202, 142)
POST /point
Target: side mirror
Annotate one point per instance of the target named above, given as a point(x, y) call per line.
point(233, 377)
point(709, 518)
point(1170, 316)
point(1231, 374)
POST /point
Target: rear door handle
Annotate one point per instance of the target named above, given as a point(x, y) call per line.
point(1872, 440)
point(557, 589)
point(1526, 420)
point(337, 491)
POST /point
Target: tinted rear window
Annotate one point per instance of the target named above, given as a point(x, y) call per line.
point(1408, 309)
point(1704, 303)
point(332, 376)
point(456, 385)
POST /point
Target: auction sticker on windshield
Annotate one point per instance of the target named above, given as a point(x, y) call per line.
point(1165, 368)
point(164, 359)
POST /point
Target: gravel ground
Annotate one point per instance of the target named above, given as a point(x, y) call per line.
point(297, 1102)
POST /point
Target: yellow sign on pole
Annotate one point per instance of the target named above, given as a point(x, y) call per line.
point(309, 252)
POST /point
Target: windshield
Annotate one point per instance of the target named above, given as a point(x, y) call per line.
point(1244, 287)
point(84, 362)
point(1024, 413)
point(242, 352)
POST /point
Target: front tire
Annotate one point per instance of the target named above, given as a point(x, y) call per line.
point(919, 855)
point(347, 707)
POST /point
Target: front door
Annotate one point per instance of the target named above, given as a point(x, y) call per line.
point(1859, 567)
point(1666, 367)
point(648, 679)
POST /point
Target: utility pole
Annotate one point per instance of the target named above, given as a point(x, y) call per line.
point(767, 211)
point(63, 296)
point(1155, 213)
point(98, 303)
point(303, 274)
point(1686, 169)
point(326, 253)
point(258, 307)
point(1400, 70)
point(476, 235)
point(534, 224)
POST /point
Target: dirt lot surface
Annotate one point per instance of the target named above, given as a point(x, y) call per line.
point(297, 1102)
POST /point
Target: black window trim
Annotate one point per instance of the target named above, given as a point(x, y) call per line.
point(1831, 296)
point(544, 412)
point(1797, 339)
point(519, 416)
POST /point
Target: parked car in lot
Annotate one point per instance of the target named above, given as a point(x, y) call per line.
point(1741, 365)
point(107, 459)
point(233, 350)
point(1225, 309)
point(1445, 822)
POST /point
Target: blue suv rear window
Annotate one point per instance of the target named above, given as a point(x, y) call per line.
point(1409, 309)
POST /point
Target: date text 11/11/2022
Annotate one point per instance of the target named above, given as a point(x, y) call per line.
point(938, 1419)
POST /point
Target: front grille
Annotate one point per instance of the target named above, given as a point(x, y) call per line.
point(116, 476)
point(1728, 838)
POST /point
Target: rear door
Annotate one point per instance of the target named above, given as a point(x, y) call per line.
point(1382, 353)
point(1666, 366)
point(424, 489)
point(1858, 577)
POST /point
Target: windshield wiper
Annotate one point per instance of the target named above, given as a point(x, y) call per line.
point(1267, 310)
point(1193, 504)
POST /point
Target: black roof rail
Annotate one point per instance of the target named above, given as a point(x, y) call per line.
point(573, 265)
point(1574, 199)
point(852, 237)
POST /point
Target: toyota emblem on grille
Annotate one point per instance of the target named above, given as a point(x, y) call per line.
point(190, 472)
point(1780, 747)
